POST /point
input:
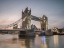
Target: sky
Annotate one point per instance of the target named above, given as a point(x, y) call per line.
point(11, 11)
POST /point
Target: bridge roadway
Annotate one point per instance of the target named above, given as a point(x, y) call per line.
point(16, 30)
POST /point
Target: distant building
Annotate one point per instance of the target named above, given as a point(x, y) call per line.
point(34, 27)
point(55, 29)
point(63, 30)
point(60, 30)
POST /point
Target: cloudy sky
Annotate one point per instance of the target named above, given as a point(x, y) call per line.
point(10, 11)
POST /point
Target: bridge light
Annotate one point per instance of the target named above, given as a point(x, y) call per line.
point(44, 17)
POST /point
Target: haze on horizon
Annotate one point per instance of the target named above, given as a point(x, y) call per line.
point(11, 11)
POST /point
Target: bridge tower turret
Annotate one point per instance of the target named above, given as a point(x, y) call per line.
point(44, 23)
point(26, 19)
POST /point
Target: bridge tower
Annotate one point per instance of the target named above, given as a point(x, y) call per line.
point(26, 19)
point(44, 23)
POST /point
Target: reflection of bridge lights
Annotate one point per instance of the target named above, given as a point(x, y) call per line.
point(56, 40)
point(44, 39)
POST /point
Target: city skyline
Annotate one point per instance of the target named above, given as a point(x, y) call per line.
point(11, 11)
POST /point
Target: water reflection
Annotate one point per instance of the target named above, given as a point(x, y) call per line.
point(27, 42)
point(44, 42)
point(7, 41)
point(37, 42)
point(56, 41)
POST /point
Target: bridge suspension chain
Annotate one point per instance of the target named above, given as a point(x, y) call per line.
point(11, 25)
point(14, 24)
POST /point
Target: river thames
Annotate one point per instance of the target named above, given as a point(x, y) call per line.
point(8, 41)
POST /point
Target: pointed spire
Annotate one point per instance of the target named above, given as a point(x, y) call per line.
point(22, 10)
point(26, 10)
point(30, 9)
point(26, 6)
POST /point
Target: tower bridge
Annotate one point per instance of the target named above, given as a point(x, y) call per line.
point(27, 17)
point(26, 21)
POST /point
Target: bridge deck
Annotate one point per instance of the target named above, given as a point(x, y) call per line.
point(17, 30)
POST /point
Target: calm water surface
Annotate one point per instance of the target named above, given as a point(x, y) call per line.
point(7, 41)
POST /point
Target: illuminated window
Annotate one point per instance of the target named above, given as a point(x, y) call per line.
point(44, 17)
